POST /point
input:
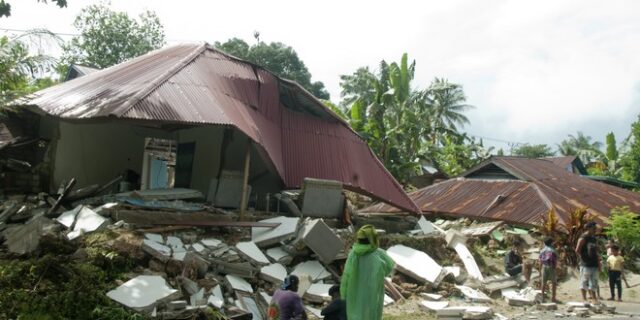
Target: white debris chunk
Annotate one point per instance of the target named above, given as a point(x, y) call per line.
point(427, 227)
point(269, 236)
point(250, 250)
point(473, 295)
point(158, 251)
point(313, 268)
point(87, 221)
point(67, 218)
point(238, 283)
point(274, 273)
point(175, 243)
point(318, 293)
point(431, 296)
point(416, 264)
point(434, 305)
point(154, 237)
point(457, 240)
point(142, 293)
point(211, 243)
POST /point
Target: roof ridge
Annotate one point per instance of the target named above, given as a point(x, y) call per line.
point(144, 92)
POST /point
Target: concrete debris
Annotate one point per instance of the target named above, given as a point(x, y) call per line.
point(274, 273)
point(427, 227)
point(457, 241)
point(321, 240)
point(252, 252)
point(322, 198)
point(315, 312)
point(313, 268)
point(482, 229)
point(431, 296)
point(547, 306)
point(416, 264)
point(387, 300)
point(278, 254)
point(238, 283)
point(473, 295)
point(434, 305)
point(197, 299)
point(24, 239)
point(211, 243)
point(68, 218)
point(524, 297)
point(305, 283)
point(250, 305)
point(499, 282)
point(477, 313)
point(156, 250)
point(87, 221)
point(264, 237)
point(143, 293)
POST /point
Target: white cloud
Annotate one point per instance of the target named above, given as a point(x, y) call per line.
point(535, 70)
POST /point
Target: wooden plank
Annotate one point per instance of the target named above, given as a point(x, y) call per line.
point(65, 192)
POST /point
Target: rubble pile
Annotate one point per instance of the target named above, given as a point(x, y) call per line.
point(190, 259)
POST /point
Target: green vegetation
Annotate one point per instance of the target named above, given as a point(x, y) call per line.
point(108, 37)
point(5, 8)
point(533, 151)
point(278, 58)
point(624, 228)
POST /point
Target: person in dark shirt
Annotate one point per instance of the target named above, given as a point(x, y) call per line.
point(590, 265)
point(513, 263)
point(337, 309)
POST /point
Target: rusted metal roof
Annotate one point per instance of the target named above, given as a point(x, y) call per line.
point(197, 84)
point(537, 185)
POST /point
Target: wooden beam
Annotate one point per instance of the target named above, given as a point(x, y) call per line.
point(245, 181)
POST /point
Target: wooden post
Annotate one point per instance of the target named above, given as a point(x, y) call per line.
point(245, 182)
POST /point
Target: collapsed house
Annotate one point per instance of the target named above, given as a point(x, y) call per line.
point(518, 191)
point(190, 116)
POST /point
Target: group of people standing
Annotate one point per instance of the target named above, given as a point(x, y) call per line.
point(591, 264)
point(360, 294)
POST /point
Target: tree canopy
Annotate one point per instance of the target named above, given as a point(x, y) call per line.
point(108, 37)
point(533, 151)
point(278, 58)
point(5, 8)
point(22, 67)
point(631, 159)
point(580, 145)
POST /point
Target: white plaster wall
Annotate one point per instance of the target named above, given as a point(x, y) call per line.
point(95, 153)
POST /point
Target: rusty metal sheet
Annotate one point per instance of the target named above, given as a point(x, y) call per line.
point(196, 84)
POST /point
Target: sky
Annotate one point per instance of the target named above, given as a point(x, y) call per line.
point(535, 71)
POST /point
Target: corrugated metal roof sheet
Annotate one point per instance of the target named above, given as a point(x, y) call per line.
point(196, 84)
point(540, 185)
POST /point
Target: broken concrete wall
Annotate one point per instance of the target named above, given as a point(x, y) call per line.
point(96, 153)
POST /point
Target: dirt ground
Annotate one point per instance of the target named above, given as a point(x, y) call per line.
point(568, 291)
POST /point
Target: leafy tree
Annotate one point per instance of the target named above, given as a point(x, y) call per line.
point(459, 153)
point(631, 159)
point(108, 37)
point(403, 125)
point(624, 227)
point(533, 151)
point(278, 58)
point(580, 145)
point(21, 65)
point(607, 163)
point(5, 8)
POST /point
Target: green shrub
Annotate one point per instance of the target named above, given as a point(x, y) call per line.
point(624, 228)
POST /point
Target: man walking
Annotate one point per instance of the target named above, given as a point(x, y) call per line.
point(587, 250)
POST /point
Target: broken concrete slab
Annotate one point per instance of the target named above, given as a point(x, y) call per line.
point(428, 228)
point(318, 293)
point(156, 250)
point(176, 305)
point(495, 283)
point(457, 240)
point(304, 284)
point(249, 304)
point(68, 218)
point(431, 296)
point(197, 247)
point(264, 237)
point(211, 243)
point(87, 221)
point(482, 229)
point(197, 299)
point(387, 300)
point(265, 296)
point(315, 312)
point(238, 283)
point(313, 268)
point(143, 293)
point(416, 264)
point(244, 270)
point(278, 254)
point(525, 297)
point(477, 313)
point(274, 273)
point(322, 198)
point(23, 239)
point(473, 295)
point(456, 272)
point(175, 243)
point(216, 299)
point(321, 240)
point(252, 252)
point(434, 305)
point(195, 263)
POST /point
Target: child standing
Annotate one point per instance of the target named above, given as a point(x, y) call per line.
point(337, 309)
point(549, 262)
point(614, 264)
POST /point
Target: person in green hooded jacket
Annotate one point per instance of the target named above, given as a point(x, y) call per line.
point(362, 284)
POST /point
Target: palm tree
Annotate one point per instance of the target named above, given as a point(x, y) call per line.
point(580, 145)
point(447, 104)
point(19, 65)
